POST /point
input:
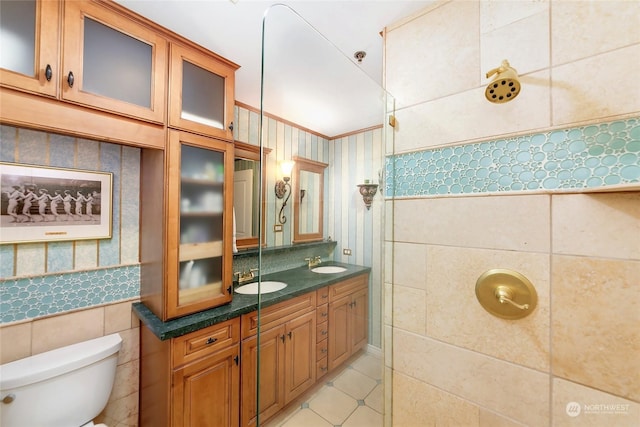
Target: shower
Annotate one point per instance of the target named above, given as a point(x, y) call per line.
point(505, 86)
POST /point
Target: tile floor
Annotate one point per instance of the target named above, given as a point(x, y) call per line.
point(350, 397)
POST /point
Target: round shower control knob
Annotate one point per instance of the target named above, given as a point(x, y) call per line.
point(9, 398)
point(506, 293)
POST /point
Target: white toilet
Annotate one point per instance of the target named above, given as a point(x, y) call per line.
point(66, 387)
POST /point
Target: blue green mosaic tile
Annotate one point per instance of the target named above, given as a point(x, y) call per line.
point(31, 297)
point(588, 157)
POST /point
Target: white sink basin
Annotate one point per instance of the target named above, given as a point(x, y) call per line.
point(265, 288)
point(328, 269)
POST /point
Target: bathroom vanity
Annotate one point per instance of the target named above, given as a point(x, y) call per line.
point(202, 369)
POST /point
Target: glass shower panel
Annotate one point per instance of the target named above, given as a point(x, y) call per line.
point(325, 83)
point(18, 36)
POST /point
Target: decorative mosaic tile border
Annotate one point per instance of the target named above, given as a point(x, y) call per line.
point(31, 297)
point(587, 157)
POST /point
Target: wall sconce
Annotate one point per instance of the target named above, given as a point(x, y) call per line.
point(368, 190)
point(282, 185)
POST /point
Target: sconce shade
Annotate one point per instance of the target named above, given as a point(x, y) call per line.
point(286, 167)
point(368, 191)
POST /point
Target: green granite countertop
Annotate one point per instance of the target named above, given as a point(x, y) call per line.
point(299, 281)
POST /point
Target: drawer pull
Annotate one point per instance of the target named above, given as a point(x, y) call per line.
point(324, 332)
point(323, 369)
point(70, 79)
point(324, 350)
point(48, 72)
point(324, 314)
point(211, 340)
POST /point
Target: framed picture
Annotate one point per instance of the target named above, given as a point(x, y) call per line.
point(43, 204)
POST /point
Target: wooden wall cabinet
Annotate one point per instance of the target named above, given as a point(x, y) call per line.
point(201, 95)
point(109, 60)
point(287, 357)
point(348, 319)
point(190, 269)
point(94, 69)
point(113, 62)
point(192, 380)
point(31, 62)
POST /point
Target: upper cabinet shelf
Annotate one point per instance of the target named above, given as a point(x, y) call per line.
point(201, 92)
point(108, 61)
point(94, 69)
point(29, 38)
point(112, 62)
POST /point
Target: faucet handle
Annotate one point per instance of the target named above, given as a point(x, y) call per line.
point(253, 270)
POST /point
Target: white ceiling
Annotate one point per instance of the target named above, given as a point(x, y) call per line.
point(294, 52)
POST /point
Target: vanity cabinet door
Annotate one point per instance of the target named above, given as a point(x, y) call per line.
point(201, 95)
point(271, 376)
point(112, 62)
point(300, 355)
point(348, 319)
point(205, 393)
point(199, 228)
point(29, 36)
point(339, 331)
point(359, 319)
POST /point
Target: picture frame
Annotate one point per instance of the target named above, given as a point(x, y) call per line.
point(44, 204)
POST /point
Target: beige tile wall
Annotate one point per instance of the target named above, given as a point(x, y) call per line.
point(25, 339)
point(451, 362)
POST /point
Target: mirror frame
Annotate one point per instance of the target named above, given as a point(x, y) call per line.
point(242, 150)
point(303, 164)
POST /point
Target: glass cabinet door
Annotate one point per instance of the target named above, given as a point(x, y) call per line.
point(112, 62)
point(199, 200)
point(202, 92)
point(29, 44)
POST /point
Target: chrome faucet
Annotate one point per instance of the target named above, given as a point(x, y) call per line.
point(246, 276)
point(313, 261)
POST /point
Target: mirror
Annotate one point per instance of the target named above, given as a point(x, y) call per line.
point(247, 193)
point(308, 202)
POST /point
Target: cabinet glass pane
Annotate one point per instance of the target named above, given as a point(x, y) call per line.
point(202, 96)
point(201, 223)
point(18, 36)
point(116, 65)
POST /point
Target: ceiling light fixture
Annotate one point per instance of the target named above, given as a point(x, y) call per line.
point(359, 55)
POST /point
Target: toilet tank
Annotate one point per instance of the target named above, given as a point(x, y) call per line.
point(66, 387)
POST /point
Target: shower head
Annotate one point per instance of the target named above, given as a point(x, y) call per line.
point(505, 85)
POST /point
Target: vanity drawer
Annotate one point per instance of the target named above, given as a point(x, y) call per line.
point(322, 295)
point(347, 287)
point(322, 367)
point(322, 331)
point(321, 349)
point(277, 314)
point(322, 313)
point(206, 341)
